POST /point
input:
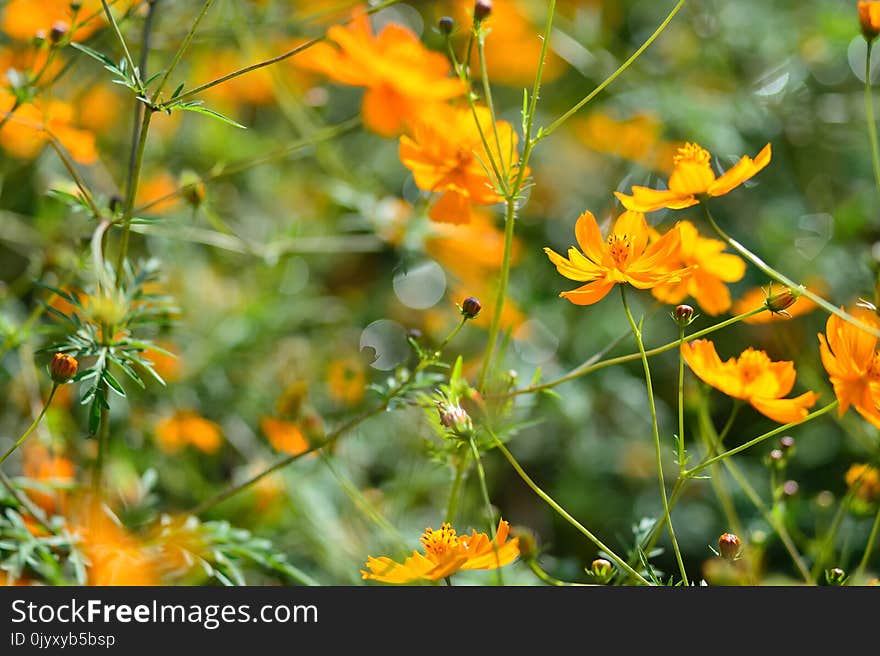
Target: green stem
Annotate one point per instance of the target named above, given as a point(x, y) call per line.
point(33, 425)
point(564, 514)
point(761, 438)
point(452, 334)
point(655, 429)
point(455, 490)
point(128, 58)
point(103, 445)
point(780, 278)
point(549, 580)
point(183, 46)
point(22, 499)
point(869, 548)
point(737, 405)
point(681, 449)
point(562, 119)
point(484, 489)
point(131, 194)
point(869, 117)
point(77, 179)
point(590, 365)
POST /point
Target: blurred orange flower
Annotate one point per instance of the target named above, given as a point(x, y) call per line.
point(445, 554)
point(155, 190)
point(624, 257)
point(284, 436)
point(53, 472)
point(400, 74)
point(167, 366)
point(850, 357)
point(864, 480)
point(346, 380)
point(29, 128)
point(752, 377)
point(709, 270)
point(757, 296)
point(447, 155)
point(636, 139)
point(187, 427)
point(693, 177)
point(22, 19)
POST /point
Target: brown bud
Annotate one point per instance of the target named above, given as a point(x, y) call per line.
point(471, 307)
point(62, 368)
point(446, 24)
point(869, 18)
point(482, 9)
point(455, 418)
point(683, 315)
point(57, 32)
point(728, 546)
point(779, 302)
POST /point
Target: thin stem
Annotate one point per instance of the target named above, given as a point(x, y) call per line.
point(562, 119)
point(183, 46)
point(533, 565)
point(33, 425)
point(139, 107)
point(490, 103)
point(452, 334)
point(268, 62)
point(564, 514)
point(103, 445)
point(22, 499)
point(655, 429)
point(68, 164)
point(869, 548)
point(761, 438)
point(128, 58)
point(484, 489)
point(591, 365)
point(681, 449)
point(780, 278)
point(869, 117)
point(132, 193)
point(455, 489)
point(737, 406)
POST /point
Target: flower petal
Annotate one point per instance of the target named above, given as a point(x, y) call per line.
point(645, 199)
point(590, 293)
point(785, 411)
point(744, 169)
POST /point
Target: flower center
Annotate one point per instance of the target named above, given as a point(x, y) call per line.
point(752, 364)
point(441, 542)
point(873, 372)
point(692, 153)
point(620, 247)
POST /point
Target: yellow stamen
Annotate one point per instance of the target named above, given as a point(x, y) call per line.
point(694, 153)
point(620, 247)
point(439, 543)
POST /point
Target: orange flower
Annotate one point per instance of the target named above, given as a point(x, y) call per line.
point(850, 357)
point(447, 155)
point(346, 381)
point(865, 481)
point(22, 19)
point(752, 377)
point(187, 427)
point(636, 139)
point(710, 269)
point(54, 473)
point(27, 130)
point(400, 74)
point(692, 177)
point(445, 554)
point(624, 257)
point(757, 297)
point(869, 18)
point(285, 436)
point(156, 191)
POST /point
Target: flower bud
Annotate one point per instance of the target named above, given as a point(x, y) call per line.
point(75, 6)
point(786, 442)
point(455, 418)
point(482, 9)
point(471, 307)
point(62, 368)
point(446, 24)
point(776, 458)
point(835, 576)
point(869, 18)
point(528, 543)
point(602, 570)
point(779, 302)
point(57, 32)
point(683, 315)
point(414, 334)
point(728, 546)
point(790, 488)
point(193, 188)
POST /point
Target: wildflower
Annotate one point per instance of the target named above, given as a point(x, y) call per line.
point(285, 436)
point(23, 19)
point(624, 257)
point(346, 381)
point(728, 546)
point(692, 177)
point(62, 368)
point(869, 18)
point(864, 480)
point(752, 377)
point(445, 554)
point(54, 473)
point(795, 306)
point(637, 139)
point(709, 269)
point(850, 357)
point(447, 155)
point(187, 427)
point(400, 74)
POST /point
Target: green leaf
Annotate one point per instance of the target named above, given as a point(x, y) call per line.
point(113, 383)
point(94, 54)
point(197, 107)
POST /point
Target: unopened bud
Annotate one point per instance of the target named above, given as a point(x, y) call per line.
point(776, 458)
point(528, 543)
point(115, 203)
point(790, 488)
point(683, 315)
point(728, 546)
point(193, 188)
point(62, 368)
point(446, 24)
point(602, 570)
point(482, 9)
point(786, 442)
point(57, 32)
point(869, 18)
point(414, 334)
point(471, 307)
point(778, 303)
point(835, 576)
point(455, 418)
point(75, 6)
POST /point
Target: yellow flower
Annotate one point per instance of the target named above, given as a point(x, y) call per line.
point(692, 176)
point(285, 436)
point(624, 257)
point(869, 18)
point(710, 269)
point(445, 554)
point(752, 377)
point(867, 479)
point(346, 381)
point(850, 356)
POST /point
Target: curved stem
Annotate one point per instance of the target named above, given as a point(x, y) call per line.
point(681, 450)
point(869, 548)
point(564, 514)
point(533, 565)
point(869, 117)
point(452, 334)
point(655, 429)
point(780, 278)
point(183, 46)
point(33, 425)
